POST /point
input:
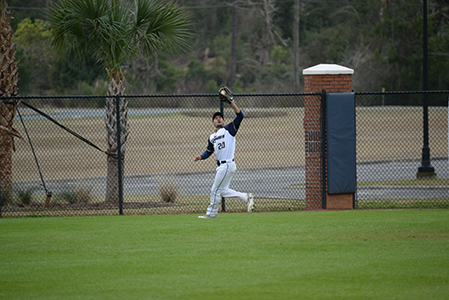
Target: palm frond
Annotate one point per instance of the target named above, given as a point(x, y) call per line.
point(114, 31)
point(161, 26)
point(89, 27)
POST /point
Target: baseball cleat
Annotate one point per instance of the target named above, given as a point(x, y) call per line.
point(208, 217)
point(250, 202)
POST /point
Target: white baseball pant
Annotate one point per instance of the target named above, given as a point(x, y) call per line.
point(223, 176)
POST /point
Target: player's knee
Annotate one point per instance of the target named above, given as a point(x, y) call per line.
point(215, 192)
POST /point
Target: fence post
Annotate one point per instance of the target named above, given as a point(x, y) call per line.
point(334, 79)
point(223, 201)
point(119, 156)
point(426, 170)
point(323, 148)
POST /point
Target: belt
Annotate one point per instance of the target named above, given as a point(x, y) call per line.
point(219, 162)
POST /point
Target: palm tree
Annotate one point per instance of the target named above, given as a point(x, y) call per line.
point(116, 31)
point(9, 77)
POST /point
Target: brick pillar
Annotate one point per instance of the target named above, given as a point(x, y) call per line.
point(333, 79)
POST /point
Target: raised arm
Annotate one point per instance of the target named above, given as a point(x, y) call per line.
point(235, 107)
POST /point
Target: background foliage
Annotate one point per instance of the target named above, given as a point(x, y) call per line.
point(380, 39)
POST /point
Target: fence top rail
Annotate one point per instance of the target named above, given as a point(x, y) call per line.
point(213, 95)
point(156, 96)
point(403, 92)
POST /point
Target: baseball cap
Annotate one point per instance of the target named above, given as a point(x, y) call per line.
point(217, 114)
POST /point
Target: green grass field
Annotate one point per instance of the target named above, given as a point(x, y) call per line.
point(395, 254)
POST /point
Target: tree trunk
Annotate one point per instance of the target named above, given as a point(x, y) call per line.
point(267, 35)
point(8, 84)
point(266, 32)
point(6, 163)
point(296, 42)
point(233, 47)
point(116, 87)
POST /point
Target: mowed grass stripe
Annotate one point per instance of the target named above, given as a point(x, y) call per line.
point(400, 254)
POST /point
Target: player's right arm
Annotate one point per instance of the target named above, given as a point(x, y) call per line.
point(207, 153)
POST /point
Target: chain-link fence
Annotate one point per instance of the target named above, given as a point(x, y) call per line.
point(390, 139)
point(62, 154)
point(160, 175)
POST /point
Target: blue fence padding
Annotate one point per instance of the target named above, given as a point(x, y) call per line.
point(341, 148)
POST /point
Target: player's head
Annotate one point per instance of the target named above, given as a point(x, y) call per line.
point(218, 119)
point(217, 114)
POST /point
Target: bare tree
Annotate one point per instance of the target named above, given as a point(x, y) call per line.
point(233, 46)
point(265, 35)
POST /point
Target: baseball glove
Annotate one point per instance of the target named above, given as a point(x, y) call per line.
point(225, 94)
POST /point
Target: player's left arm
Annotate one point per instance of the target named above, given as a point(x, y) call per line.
point(235, 107)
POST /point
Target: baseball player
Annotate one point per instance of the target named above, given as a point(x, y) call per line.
point(222, 142)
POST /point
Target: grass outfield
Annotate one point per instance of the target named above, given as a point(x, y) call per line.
point(396, 254)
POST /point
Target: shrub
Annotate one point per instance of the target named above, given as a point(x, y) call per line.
point(25, 197)
point(168, 190)
point(76, 195)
